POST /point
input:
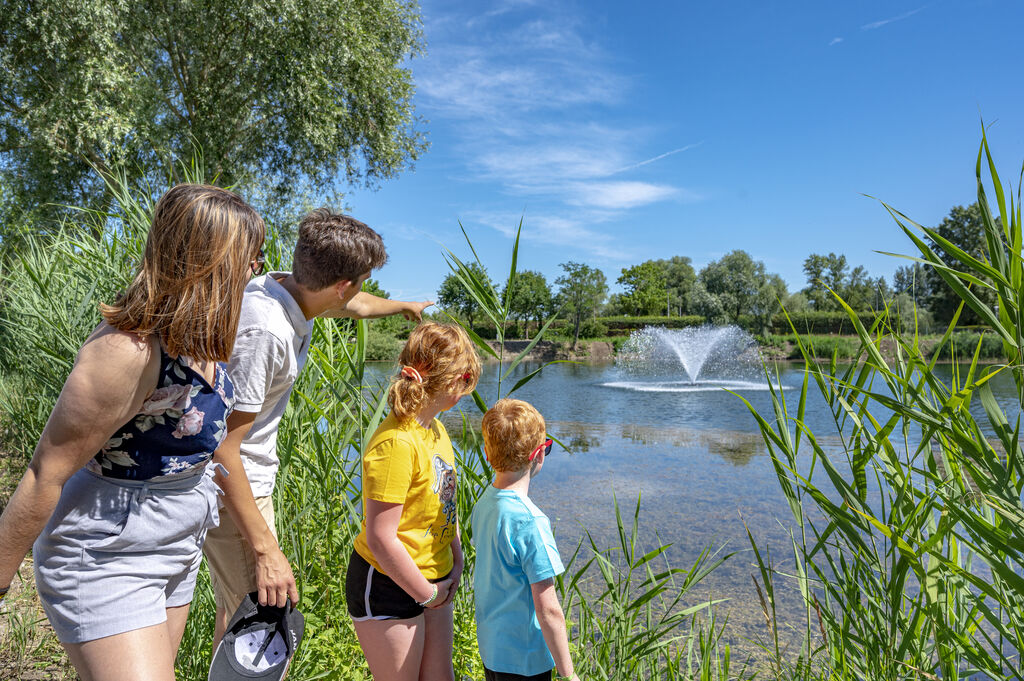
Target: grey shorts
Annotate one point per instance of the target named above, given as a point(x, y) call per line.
point(117, 553)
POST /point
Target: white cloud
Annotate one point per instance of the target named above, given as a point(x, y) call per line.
point(878, 24)
point(835, 41)
point(620, 195)
point(522, 88)
point(572, 232)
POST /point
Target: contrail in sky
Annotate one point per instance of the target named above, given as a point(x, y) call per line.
point(883, 22)
point(657, 158)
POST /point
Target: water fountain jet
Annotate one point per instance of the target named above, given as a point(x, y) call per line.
point(710, 357)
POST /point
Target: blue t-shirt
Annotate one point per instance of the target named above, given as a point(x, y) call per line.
point(514, 549)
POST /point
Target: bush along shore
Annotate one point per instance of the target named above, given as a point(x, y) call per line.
point(961, 345)
point(907, 549)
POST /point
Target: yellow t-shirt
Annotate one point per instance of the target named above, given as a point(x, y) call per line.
point(408, 464)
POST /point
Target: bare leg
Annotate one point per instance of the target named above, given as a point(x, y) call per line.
point(176, 618)
point(438, 641)
point(393, 648)
point(140, 654)
point(220, 626)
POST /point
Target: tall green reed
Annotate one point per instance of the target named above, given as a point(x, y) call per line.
point(908, 547)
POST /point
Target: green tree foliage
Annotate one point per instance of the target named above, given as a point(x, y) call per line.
point(307, 93)
point(796, 302)
point(771, 291)
point(581, 290)
point(530, 297)
point(913, 281)
point(655, 287)
point(702, 302)
point(646, 288)
point(736, 285)
point(964, 228)
point(615, 306)
point(825, 272)
point(456, 300)
point(680, 278)
point(830, 275)
point(373, 287)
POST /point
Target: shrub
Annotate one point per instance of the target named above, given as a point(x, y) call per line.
point(625, 323)
point(962, 345)
point(381, 347)
point(593, 328)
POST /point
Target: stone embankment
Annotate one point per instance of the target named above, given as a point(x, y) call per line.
point(546, 351)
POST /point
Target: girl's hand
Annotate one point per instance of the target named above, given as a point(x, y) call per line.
point(455, 578)
point(444, 587)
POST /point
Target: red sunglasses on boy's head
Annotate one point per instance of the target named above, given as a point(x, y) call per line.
point(546, 447)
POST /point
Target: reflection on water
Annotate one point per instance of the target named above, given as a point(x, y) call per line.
point(736, 447)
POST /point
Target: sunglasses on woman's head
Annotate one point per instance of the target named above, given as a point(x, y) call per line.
point(546, 447)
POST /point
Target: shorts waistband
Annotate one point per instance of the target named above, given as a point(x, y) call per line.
point(168, 483)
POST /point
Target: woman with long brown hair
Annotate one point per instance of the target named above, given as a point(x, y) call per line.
point(118, 495)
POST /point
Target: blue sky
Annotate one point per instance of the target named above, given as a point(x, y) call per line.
point(621, 132)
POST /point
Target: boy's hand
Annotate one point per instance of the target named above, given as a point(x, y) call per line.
point(444, 587)
point(275, 580)
point(414, 313)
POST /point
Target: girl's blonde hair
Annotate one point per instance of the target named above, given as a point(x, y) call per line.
point(443, 356)
point(188, 289)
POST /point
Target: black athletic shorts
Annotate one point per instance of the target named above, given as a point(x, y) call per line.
point(502, 676)
point(372, 595)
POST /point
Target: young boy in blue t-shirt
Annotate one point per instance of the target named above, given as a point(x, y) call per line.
point(519, 621)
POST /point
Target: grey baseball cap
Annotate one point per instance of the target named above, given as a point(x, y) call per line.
point(259, 642)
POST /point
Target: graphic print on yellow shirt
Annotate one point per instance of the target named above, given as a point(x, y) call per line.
point(444, 488)
point(408, 464)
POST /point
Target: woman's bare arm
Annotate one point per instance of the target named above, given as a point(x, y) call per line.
point(112, 376)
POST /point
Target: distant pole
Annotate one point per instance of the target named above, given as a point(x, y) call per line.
point(668, 308)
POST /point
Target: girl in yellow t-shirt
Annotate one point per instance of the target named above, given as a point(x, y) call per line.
point(407, 561)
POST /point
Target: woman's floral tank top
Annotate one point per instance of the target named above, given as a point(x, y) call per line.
point(177, 430)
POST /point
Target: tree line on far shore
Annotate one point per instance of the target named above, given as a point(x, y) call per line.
point(735, 288)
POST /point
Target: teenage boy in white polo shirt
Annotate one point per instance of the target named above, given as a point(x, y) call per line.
point(334, 255)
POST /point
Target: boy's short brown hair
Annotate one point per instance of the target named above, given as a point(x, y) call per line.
point(333, 247)
point(512, 430)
